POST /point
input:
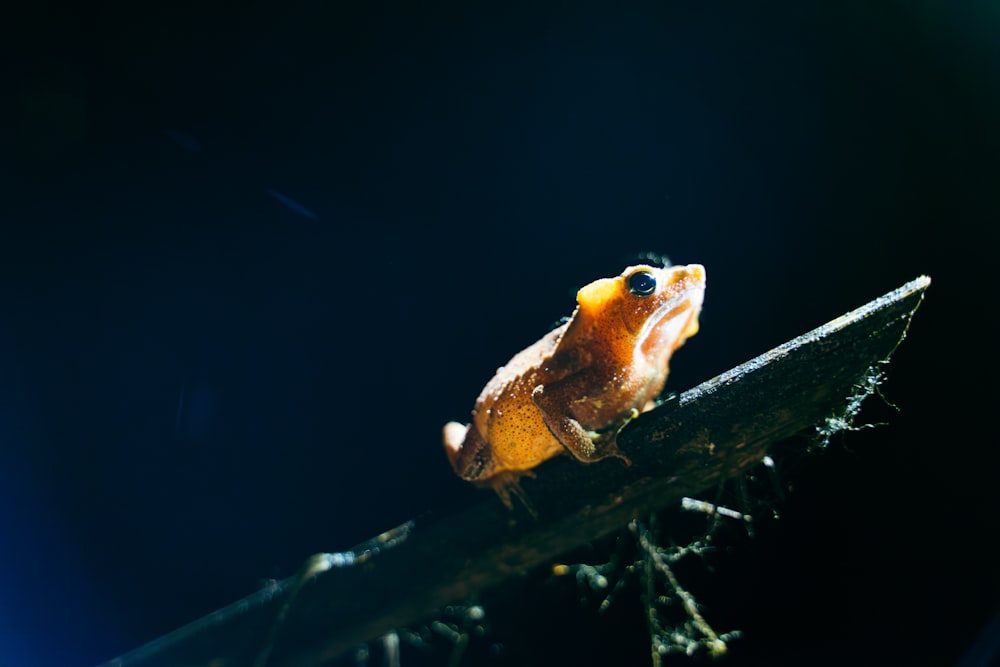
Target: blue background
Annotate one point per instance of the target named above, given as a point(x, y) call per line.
point(253, 257)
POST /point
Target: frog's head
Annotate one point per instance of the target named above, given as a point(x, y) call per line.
point(652, 310)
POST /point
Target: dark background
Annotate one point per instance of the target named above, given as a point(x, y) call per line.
point(254, 256)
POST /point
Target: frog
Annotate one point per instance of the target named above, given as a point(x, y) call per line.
point(574, 390)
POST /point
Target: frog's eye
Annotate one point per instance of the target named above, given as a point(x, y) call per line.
point(642, 283)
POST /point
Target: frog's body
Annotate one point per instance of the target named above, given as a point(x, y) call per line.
point(578, 386)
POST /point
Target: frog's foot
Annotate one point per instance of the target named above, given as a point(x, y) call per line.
point(616, 453)
point(507, 484)
point(609, 440)
point(609, 448)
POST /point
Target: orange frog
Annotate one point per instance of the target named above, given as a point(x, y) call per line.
point(578, 386)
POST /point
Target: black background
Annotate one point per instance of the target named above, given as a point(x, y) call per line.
point(254, 256)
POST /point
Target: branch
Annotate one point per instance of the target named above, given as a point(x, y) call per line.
point(687, 445)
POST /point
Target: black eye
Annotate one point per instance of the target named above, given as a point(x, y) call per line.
point(642, 283)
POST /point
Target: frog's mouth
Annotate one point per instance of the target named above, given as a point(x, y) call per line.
point(676, 319)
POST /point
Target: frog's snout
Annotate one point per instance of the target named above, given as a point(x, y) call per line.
point(696, 272)
point(694, 294)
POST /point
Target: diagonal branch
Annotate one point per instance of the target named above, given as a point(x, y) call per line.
point(709, 433)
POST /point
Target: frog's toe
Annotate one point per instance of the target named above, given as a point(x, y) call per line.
point(507, 486)
point(610, 450)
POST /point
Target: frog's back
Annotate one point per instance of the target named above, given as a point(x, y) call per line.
point(519, 369)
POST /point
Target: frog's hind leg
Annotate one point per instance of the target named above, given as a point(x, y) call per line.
point(454, 439)
point(507, 485)
point(472, 459)
point(469, 455)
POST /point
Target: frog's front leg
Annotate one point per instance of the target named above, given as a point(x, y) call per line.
point(586, 446)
